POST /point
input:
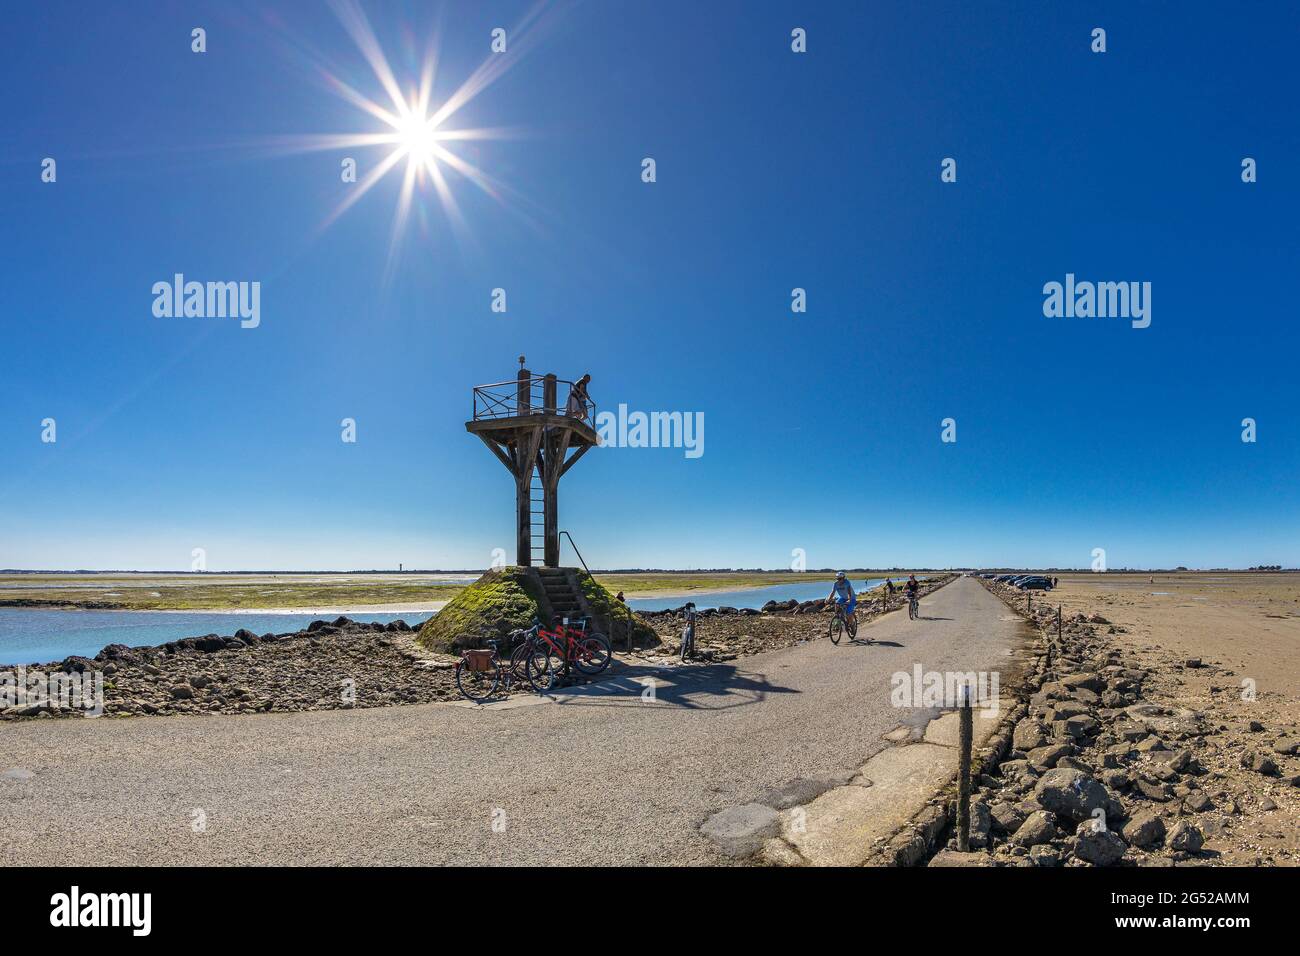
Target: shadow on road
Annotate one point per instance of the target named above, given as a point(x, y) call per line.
point(690, 687)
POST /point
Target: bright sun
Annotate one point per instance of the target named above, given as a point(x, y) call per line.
point(417, 137)
point(415, 127)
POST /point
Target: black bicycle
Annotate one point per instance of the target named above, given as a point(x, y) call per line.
point(688, 633)
point(480, 673)
point(842, 623)
point(913, 606)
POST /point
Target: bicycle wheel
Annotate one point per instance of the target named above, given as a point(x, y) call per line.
point(852, 627)
point(592, 655)
point(837, 629)
point(543, 668)
point(519, 663)
point(477, 685)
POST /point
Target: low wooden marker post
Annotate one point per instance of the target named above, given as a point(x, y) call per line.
point(967, 733)
point(1058, 622)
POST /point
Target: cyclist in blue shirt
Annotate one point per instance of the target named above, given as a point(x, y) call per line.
point(842, 594)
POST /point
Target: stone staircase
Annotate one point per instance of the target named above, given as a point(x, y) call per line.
point(562, 592)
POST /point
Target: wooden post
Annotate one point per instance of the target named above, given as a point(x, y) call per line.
point(551, 463)
point(548, 394)
point(524, 392)
point(1058, 622)
point(963, 771)
point(524, 519)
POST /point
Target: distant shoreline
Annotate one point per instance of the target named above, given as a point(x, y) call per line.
point(424, 607)
point(183, 594)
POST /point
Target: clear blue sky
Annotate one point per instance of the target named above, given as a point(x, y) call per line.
point(775, 170)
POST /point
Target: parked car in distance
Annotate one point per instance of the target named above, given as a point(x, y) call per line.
point(1034, 582)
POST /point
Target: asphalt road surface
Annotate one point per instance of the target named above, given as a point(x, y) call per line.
point(602, 777)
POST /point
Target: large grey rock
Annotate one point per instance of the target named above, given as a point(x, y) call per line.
point(1028, 735)
point(1044, 856)
point(1006, 818)
point(1092, 682)
point(1178, 760)
point(1153, 789)
point(1186, 837)
point(1071, 793)
point(1097, 845)
point(1143, 829)
point(1287, 746)
point(1066, 711)
point(948, 858)
point(1173, 722)
point(1046, 757)
point(1014, 769)
point(1078, 726)
point(1039, 827)
point(1260, 763)
point(1115, 779)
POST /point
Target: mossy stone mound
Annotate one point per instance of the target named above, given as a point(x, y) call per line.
point(506, 599)
point(605, 606)
point(502, 600)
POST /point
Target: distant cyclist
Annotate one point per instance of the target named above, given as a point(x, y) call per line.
point(889, 594)
point(913, 589)
point(842, 594)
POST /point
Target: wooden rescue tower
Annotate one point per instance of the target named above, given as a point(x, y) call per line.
point(538, 438)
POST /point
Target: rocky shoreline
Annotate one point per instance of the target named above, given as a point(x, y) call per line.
point(1100, 766)
point(60, 605)
point(327, 665)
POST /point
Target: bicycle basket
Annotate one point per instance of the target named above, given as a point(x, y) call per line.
point(478, 660)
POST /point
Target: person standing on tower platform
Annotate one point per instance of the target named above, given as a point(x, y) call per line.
point(578, 398)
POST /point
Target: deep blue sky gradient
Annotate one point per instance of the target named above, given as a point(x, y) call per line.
point(775, 170)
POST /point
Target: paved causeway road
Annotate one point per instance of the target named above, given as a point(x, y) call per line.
point(601, 778)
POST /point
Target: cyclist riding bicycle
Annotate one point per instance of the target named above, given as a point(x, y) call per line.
point(912, 588)
point(842, 594)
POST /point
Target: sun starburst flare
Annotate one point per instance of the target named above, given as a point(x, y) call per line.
point(415, 129)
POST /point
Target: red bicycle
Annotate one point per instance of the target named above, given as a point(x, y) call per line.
point(555, 651)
